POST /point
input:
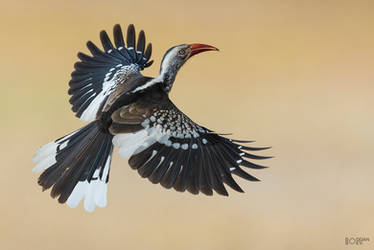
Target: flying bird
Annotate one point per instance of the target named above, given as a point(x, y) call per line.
point(134, 113)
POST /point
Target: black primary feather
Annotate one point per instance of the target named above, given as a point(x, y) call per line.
point(141, 42)
point(118, 36)
point(105, 41)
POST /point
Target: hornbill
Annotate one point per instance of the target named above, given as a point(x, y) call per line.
point(134, 112)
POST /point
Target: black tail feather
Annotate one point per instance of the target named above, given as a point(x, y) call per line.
point(79, 157)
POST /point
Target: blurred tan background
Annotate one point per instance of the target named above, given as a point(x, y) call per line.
point(295, 75)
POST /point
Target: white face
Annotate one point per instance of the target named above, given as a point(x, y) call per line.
point(175, 58)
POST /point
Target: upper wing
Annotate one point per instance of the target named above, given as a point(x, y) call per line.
point(95, 77)
point(168, 148)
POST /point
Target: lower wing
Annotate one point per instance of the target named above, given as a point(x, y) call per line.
point(166, 147)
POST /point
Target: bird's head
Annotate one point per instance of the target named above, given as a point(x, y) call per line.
point(176, 56)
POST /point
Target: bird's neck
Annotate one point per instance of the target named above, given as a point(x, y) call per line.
point(167, 78)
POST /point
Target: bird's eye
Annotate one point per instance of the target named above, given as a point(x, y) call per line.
point(182, 52)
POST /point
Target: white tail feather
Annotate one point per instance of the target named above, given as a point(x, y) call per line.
point(45, 157)
point(94, 192)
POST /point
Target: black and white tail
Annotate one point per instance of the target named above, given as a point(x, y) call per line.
point(76, 166)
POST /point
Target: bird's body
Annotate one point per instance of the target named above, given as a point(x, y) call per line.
point(134, 113)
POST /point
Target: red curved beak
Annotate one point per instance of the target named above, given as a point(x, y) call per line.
point(197, 48)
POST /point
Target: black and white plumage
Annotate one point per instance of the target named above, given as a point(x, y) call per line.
point(95, 77)
point(76, 166)
point(134, 113)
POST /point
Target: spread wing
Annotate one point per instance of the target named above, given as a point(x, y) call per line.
point(95, 77)
point(166, 147)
